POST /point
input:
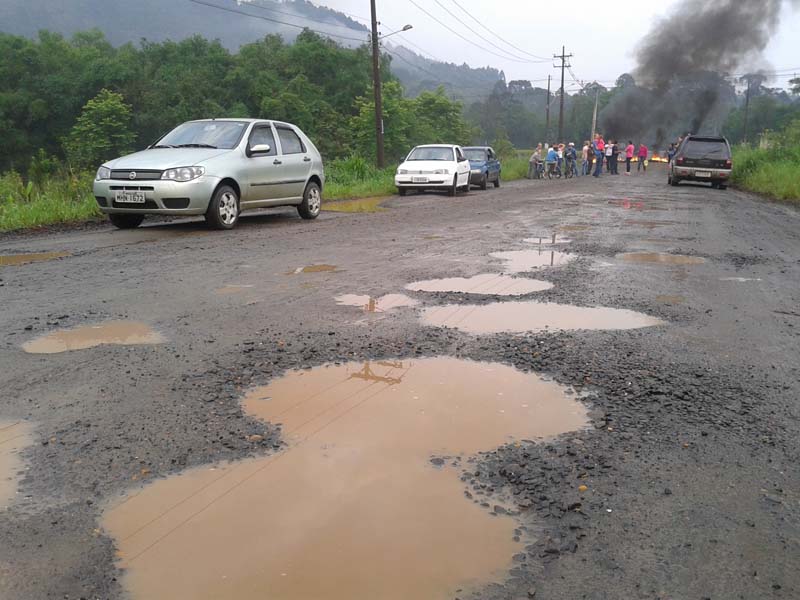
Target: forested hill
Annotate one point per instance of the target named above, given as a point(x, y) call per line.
point(125, 21)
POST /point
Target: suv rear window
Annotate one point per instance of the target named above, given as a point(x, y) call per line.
point(700, 148)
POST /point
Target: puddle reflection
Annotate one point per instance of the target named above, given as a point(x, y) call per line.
point(520, 261)
point(488, 283)
point(660, 258)
point(15, 436)
point(376, 305)
point(120, 333)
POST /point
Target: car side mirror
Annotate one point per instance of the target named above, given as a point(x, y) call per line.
point(261, 149)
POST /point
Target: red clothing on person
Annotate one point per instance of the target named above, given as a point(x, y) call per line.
point(629, 151)
point(642, 151)
point(600, 145)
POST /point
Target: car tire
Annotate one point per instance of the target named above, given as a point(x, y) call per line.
point(722, 186)
point(402, 191)
point(126, 221)
point(453, 190)
point(223, 210)
point(484, 185)
point(674, 181)
point(311, 205)
point(497, 181)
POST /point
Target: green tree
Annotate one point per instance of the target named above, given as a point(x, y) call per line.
point(102, 132)
point(795, 83)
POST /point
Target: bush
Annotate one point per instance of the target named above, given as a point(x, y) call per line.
point(774, 171)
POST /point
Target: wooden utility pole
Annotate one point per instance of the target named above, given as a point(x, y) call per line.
point(746, 110)
point(376, 86)
point(594, 116)
point(547, 121)
point(563, 58)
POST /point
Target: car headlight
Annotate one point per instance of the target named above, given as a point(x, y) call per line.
point(441, 172)
point(402, 171)
point(103, 173)
point(183, 173)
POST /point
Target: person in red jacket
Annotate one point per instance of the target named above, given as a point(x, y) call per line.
point(642, 158)
point(628, 157)
point(599, 145)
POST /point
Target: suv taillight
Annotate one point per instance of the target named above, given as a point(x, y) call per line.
point(729, 163)
point(680, 160)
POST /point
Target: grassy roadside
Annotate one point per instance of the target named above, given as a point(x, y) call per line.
point(773, 171)
point(353, 185)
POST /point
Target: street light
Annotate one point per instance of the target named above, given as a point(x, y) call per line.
point(405, 28)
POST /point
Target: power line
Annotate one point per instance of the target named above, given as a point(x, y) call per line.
point(246, 14)
point(466, 39)
point(485, 39)
point(544, 58)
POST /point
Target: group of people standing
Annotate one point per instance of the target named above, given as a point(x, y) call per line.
point(562, 159)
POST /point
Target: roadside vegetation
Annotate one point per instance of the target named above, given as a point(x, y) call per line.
point(773, 168)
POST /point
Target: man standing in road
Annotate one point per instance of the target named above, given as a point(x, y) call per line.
point(643, 153)
point(629, 150)
point(587, 155)
point(599, 153)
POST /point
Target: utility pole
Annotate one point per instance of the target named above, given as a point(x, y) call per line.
point(594, 116)
point(547, 122)
point(376, 86)
point(746, 110)
point(563, 58)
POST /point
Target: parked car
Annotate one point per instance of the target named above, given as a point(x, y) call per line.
point(435, 166)
point(216, 168)
point(485, 166)
point(702, 158)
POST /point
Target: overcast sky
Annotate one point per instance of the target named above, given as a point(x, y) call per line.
point(602, 36)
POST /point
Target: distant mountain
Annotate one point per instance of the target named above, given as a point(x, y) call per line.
point(124, 21)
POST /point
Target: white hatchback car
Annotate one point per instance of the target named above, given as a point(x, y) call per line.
point(435, 166)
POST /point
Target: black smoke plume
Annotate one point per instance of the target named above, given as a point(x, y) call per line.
point(682, 66)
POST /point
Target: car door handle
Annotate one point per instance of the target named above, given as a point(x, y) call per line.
point(306, 159)
point(277, 162)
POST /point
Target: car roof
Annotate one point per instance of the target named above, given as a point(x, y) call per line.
point(437, 146)
point(477, 148)
point(243, 120)
point(707, 138)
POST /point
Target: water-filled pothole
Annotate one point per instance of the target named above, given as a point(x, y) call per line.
point(521, 317)
point(14, 437)
point(660, 258)
point(377, 305)
point(366, 205)
point(232, 289)
point(353, 508)
point(119, 333)
point(670, 299)
point(488, 283)
point(314, 269)
point(15, 260)
point(547, 240)
point(520, 261)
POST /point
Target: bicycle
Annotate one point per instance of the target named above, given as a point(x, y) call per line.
point(572, 168)
point(553, 171)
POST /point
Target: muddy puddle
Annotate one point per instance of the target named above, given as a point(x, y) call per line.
point(547, 240)
point(15, 436)
point(314, 269)
point(230, 290)
point(383, 304)
point(488, 283)
point(660, 258)
point(670, 300)
point(354, 507)
point(119, 333)
point(367, 205)
point(520, 261)
point(16, 260)
point(521, 317)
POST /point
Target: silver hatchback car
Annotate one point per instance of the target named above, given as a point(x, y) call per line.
point(216, 168)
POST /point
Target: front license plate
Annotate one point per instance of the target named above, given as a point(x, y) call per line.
point(419, 179)
point(130, 197)
point(704, 174)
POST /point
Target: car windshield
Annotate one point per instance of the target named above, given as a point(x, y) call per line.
point(432, 153)
point(204, 134)
point(475, 153)
point(706, 149)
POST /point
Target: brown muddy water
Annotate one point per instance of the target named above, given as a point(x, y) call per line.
point(660, 258)
point(15, 436)
point(520, 261)
point(521, 317)
point(15, 260)
point(353, 508)
point(672, 300)
point(314, 269)
point(118, 333)
point(488, 283)
point(376, 305)
point(230, 290)
point(366, 205)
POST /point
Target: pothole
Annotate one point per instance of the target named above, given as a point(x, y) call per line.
point(377, 305)
point(547, 240)
point(15, 260)
point(230, 290)
point(366, 205)
point(15, 436)
point(520, 261)
point(119, 333)
point(354, 507)
point(660, 258)
point(487, 283)
point(314, 269)
point(521, 317)
point(673, 300)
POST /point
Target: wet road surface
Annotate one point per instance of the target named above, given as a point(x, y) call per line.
point(153, 343)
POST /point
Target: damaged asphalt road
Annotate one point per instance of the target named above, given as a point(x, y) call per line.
point(684, 484)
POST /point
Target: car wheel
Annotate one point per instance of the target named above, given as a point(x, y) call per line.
point(497, 181)
point(312, 202)
point(223, 210)
point(485, 182)
point(674, 181)
point(453, 190)
point(126, 221)
point(669, 179)
point(722, 186)
point(402, 191)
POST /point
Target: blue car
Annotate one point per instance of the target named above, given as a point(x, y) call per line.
point(485, 166)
